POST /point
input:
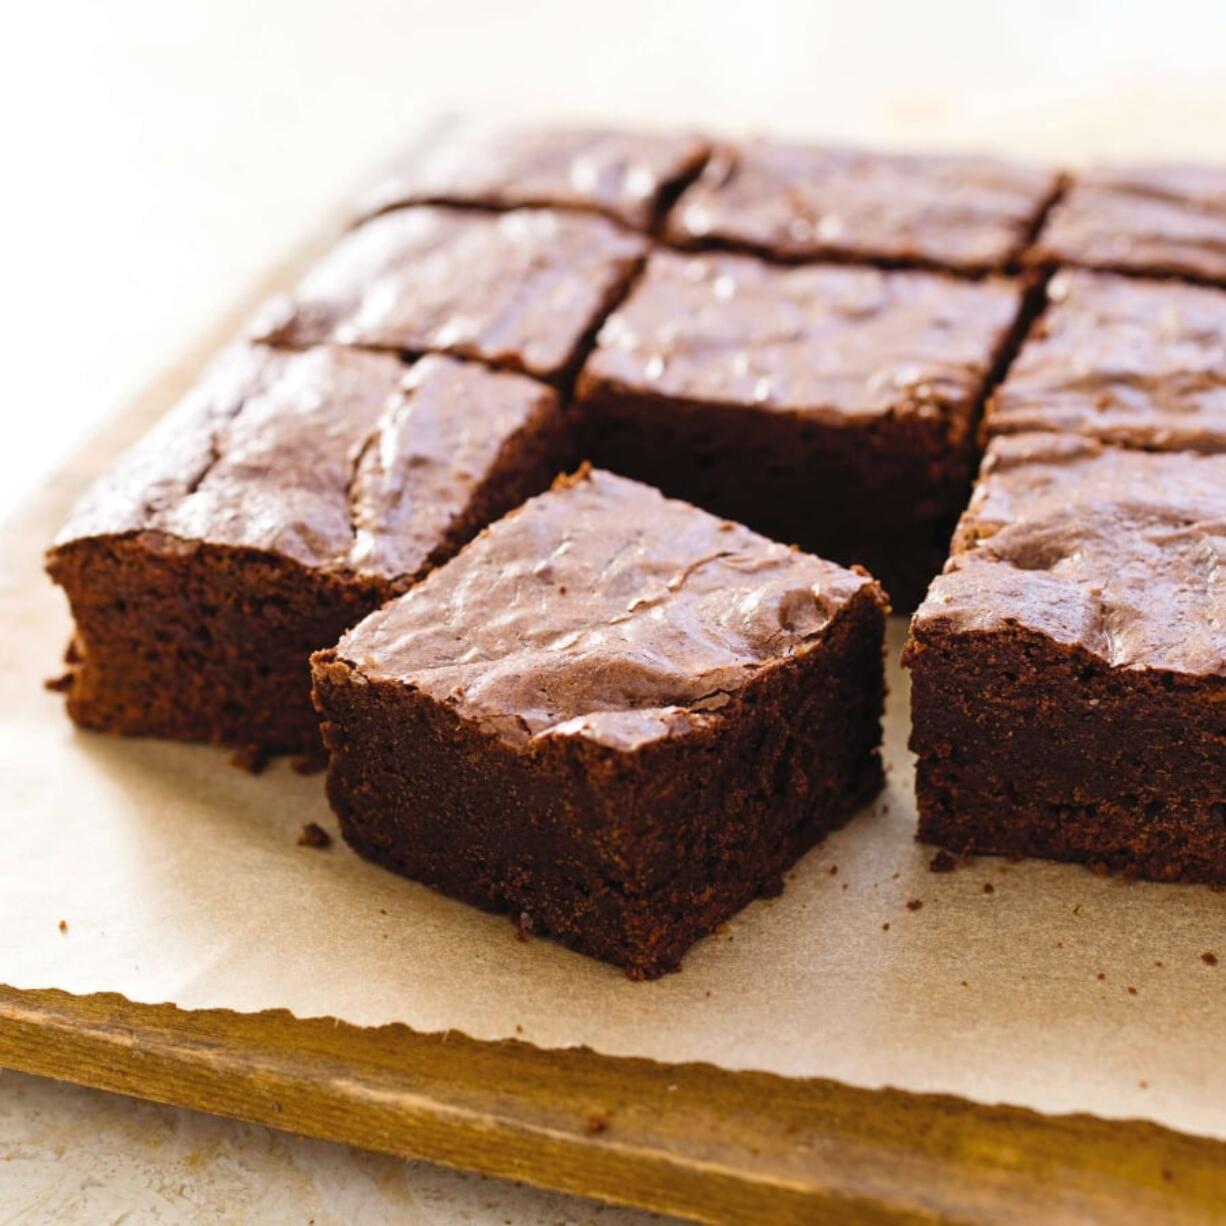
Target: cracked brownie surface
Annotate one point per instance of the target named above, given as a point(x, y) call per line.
point(285, 497)
point(611, 714)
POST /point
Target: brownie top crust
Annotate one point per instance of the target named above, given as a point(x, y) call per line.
point(1157, 219)
point(602, 610)
point(831, 342)
point(625, 175)
point(519, 289)
point(336, 458)
point(801, 202)
point(1121, 359)
point(1118, 552)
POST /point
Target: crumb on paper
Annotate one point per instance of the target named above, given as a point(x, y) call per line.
point(834, 868)
point(989, 888)
point(1101, 975)
point(1131, 990)
point(886, 926)
point(942, 862)
point(63, 925)
point(914, 904)
point(965, 984)
point(314, 835)
point(59, 685)
point(720, 929)
point(250, 758)
point(518, 1028)
point(1209, 958)
point(595, 1124)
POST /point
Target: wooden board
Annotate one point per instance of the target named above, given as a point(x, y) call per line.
point(689, 1139)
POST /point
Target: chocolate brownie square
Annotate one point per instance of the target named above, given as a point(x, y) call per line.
point(628, 176)
point(612, 715)
point(826, 406)
point(1068, 670)
point(284, 498)
point(521, 290)
point(1121, 359)
point(807, 202)
point(1154, 219)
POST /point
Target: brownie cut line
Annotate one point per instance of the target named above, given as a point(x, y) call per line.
point(1125, 360)
point(962, 213)
point(628, 176)
point(827, 406)
point(612, 715)
point(282, 500)
point(1153, 220)
point(1069, 668)
point(521, 290)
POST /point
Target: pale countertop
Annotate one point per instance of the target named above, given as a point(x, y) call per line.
point(159, 157)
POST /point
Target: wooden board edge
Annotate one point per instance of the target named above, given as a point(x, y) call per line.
point(689, 1139)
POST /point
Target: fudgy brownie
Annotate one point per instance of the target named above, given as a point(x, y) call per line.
point(629, 176)
point(1069, 668)
point(521, 290)
point(830, 407)
point(805, 202)
point(1121, 359)
point(281, 501)
point(612, 715)
point(1141, 219)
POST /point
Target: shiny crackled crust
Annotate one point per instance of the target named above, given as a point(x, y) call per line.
point(520, 290)
point(340, 460)
point(603, 610)
point(1124, 360)
point(1118, 553)
point(831, 343)
point(626, 175)
point(1157, 219)
point(801, 202)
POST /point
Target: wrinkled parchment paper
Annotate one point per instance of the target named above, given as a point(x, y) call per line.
point(180, 879)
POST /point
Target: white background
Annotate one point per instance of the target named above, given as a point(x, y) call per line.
point(157, 156)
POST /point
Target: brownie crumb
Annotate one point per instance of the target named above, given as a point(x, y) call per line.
point(1209, 959)
point(308, 764)
point(965, 984)
point(594, 1125)
point(1101, 975)
point(886, 926)
point(314, 835)
point(1132, 991)
point(63, 925)
point(914, 904)
point(250, 758)
point(942, 862)
point(834, 868)
point(989, 888)
point(518, 1028)
point(61, 684)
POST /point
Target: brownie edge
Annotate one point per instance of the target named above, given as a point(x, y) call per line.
point(656, 712)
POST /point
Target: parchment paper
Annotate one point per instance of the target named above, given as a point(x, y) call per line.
point(180, 880)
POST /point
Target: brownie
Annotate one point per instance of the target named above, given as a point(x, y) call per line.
point(521, 290)
point(1122, 359)
point(810, 202)
point(281, 501)
point(626, 175)
point(826, 406)
point(1158, 219)
point(612, 715)
point(1068, 670)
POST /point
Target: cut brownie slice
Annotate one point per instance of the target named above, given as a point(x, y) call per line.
point(613, 715)
point(1141, 219)
point(285, 498)
point(803, 202)
point(522, 290)
point(1069, 668)
point(827, 406)
point(628, 176)
point(1124, 360)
